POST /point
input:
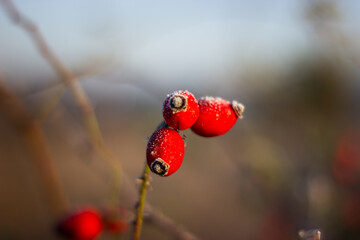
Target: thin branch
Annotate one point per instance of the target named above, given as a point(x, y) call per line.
point(50, 103)
point(145, 212)
point(80, 97)
point(141, 203)
point(167, 225)
point(29, 129)
point(154, 216)
point(91, 123)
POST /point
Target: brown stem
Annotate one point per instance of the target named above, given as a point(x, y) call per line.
point(31, 132)
point(141, 203)
point(92, 127)
point(168, 225)
point(157, 218)
point(78, 93)
point(154, 216)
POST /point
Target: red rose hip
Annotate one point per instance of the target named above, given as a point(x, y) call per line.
point(351, 210)
point(165, 151)
point(114, 222)
point(82, 225)
point(217, 116)
point(180, 110)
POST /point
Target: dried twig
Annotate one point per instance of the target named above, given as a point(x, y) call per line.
point(141, 203)
point(80, 97)
point(91, 123)
point(29, 129)
point(167, 225)
point(154, 216)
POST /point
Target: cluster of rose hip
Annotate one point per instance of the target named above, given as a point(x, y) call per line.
point(207, 117)
point(89, 223)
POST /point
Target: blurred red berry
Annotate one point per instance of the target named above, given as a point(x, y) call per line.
point(217, 116)
point(165, 151)
point(346, 164)
point(82, 225)
point(351, 210)
point(113, 220)
point(275, 225)
point(116, 225)
point(180, 110)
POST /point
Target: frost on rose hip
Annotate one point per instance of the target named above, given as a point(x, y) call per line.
point(217, 116)
point(165, 151)
point(180, 110)
point(85, 224)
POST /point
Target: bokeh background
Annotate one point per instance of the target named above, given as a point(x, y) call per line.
point(292, 163)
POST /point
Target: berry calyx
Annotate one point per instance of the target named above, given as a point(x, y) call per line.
point(160, 167)
point(180, 110)
point(238, 108)
point(165, 151)
point(217, 116)
point(177, 103)
point(85, 224)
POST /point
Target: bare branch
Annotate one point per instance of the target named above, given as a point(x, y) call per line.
point(80, 97)
point(167, 225)
point(141, 203)
point(92, 126)
point(31, 132)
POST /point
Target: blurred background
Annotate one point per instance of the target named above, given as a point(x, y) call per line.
point(292, 162)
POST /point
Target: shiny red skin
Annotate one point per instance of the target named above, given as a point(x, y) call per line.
point(182, 119)
point(166, 144)
point(216, 117)
point(82, 225)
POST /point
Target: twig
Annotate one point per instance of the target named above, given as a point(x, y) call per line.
point(92, 126)
point(80, 97)
point(50, 103)
point(154, 216)
point(141, 203)
point(30, 131)
point(83, 72)
point(144, 212)
point(167, 225)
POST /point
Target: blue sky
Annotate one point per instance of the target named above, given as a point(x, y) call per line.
point(163, 39)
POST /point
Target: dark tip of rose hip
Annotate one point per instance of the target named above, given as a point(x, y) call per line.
point(177, 103)
point(238, 108)
point(159, 167)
